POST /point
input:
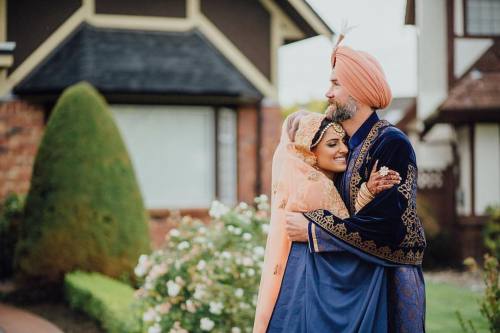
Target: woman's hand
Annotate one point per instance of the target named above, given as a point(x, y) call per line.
point(380, 181)
point(296, 227)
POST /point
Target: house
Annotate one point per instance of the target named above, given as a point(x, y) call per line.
point(457, 121)
point(192, 84)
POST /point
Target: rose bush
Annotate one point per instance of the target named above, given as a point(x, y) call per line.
point(206, 277)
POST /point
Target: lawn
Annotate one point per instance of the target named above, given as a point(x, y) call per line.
point(443, 300)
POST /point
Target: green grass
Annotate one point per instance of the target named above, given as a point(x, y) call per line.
point(443, 300)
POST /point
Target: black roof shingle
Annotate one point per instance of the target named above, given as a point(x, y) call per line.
point(142, 62)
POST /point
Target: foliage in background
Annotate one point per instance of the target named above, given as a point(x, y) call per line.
point(491, 231)
point(108, 301)
point(440, 251)
point(84, 209)
point(313, 106)
point(11, 212)
point(206, 278)
point(490, 303)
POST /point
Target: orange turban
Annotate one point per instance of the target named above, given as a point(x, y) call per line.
point(362, 76)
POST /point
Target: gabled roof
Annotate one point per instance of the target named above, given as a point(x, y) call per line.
point(139, 62)
point(306, 18)
point(476, 95)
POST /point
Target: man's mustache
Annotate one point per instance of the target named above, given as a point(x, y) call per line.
point(330, 110)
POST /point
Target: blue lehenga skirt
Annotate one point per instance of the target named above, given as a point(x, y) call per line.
point(347, 291)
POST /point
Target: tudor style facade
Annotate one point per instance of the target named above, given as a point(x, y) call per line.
point(192, 84)
point(457, 123)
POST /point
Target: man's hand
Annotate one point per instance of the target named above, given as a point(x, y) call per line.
point(296, 227)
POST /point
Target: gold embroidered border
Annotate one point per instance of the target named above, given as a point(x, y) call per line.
point(414, 230)
point(355, 176)
point(339, 230)
point(315, 239)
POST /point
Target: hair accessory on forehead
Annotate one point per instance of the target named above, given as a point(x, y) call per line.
point(343, 31)
point(337, 128)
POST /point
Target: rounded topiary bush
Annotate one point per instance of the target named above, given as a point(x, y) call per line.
point(84, 209)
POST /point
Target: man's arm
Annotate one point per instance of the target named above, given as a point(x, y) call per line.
point(390, 217)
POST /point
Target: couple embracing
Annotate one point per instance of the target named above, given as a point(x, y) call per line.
point(345, 245)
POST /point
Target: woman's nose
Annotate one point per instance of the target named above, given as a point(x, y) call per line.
point(343, 148)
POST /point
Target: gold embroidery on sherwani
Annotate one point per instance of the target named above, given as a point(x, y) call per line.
point(327, 222)
point(355, 176)
point(409, 218)
point(414, 236)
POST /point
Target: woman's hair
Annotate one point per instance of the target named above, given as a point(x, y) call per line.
point(319, 134)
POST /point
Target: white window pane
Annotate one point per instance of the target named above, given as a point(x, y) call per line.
point(172, 149)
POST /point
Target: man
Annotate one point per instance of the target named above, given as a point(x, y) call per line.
point(386, 232)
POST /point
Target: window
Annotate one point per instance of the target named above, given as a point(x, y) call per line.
point(482, 17)
point(173, 152)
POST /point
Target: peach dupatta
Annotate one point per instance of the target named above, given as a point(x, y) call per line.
point(297, 187)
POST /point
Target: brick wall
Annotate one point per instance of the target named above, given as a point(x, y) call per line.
point(272, 120)
point(270, 128)
point(247, 153)
point(21, 129)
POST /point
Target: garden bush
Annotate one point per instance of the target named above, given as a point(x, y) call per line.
point(84, 209)
point(11, 211)
point(206, 278)
point(108, 301)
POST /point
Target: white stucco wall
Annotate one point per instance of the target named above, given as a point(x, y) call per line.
point(467, 51)
point(435, 152)
point(487, 166)
point(432, 55)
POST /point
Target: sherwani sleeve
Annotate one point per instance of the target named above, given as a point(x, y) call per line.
point(387, 218)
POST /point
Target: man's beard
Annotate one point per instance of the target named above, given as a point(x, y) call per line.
point(343, 112)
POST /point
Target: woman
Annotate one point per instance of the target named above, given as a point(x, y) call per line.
point(311, 152)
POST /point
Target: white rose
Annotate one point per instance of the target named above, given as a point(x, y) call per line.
point(183, 245)
point(235, 330)
point(173, 288)
point(244, 305)
point(216, 308)
point(142, 266)
point(243, 205)
point(259, 250)
point(154, 329)
point(239, 292)
point(217, 210)
point(149, 315)
point(206, 324)
point(247, 236)
point(247, 262)
point(201, 265)
point(190, 306)
point(175, 233)
point(237, 231)
point(199, 292)
point(251, 272)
